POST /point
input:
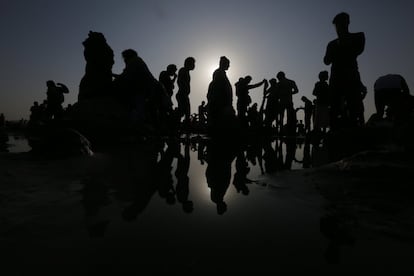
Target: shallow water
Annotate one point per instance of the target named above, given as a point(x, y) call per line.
point(17, 143)
point(177, 208)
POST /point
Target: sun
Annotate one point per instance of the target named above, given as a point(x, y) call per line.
point(210, 68)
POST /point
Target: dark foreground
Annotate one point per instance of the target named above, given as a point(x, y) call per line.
point(100, 215)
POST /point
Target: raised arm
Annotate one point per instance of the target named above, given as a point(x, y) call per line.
point(251, 86)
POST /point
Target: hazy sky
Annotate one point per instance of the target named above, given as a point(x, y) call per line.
point(42, 40)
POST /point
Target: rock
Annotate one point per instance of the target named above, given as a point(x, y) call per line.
point(59, 142)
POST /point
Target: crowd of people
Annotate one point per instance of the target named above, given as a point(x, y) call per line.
point(338, 95)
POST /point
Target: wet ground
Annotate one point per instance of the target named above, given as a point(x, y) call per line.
point(172, 208)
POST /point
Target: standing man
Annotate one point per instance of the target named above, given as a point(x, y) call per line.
point(202, 114)
point(183, 93)
point(286, 88)
point(220, 110)
point(345, 82)
point(243, 98)
point(168, 77)
point(55, 99)
point(135, 86)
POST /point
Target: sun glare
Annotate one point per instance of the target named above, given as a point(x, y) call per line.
point(210, 68)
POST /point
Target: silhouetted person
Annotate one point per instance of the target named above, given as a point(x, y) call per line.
point(286, 88)
point(182, 188)
point(35, 113)
point(243, 98)
point(341, 54)
point(135, 85)
point(55, 98)
point(221, 114)
point(167, 78)
point(308, 108)
point(202, 114)
point(183, 93)
point(97, 81)
point(2, 120)
point(4, 137)
point(164, 98)
point(323, 94)
point(254, 119)
point(391, 91)
point(360, 105)
point(272, 109)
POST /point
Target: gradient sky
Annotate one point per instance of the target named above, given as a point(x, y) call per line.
point(42, 40)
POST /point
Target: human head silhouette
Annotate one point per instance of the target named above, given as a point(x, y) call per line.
point(341, 18)
point(323, 75)
point(129, 55)
point(280, 75)
point(224, 63)
point(50, 83)
point(189, 63)
point(171, 69)
point(341, 22)
point(248, 79)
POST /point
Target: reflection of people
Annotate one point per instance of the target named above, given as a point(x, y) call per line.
point(270, 157)
point(182, 187)
point(164, 177)
point(290, 153)
point(345, 83)
point(240, 176)
point(218, 172)
point(131, 173)
point(94, 198)
point(336, 229)
point(390, 91)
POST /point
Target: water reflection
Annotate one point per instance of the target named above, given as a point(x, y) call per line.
point(183, 172)
point(14, 143)
point(220, 156)
point(210, 194)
